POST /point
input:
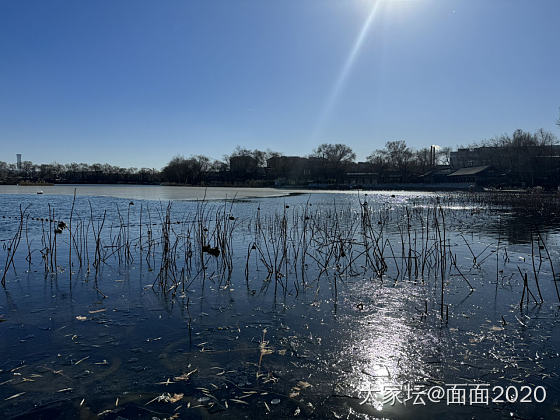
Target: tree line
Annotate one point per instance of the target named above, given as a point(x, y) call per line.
point(76, 173)
point(328, 163)
point(331, 161)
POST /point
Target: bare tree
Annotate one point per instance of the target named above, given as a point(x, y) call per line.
point(334, 159)
point(396, 156)
point(335, 153)
point(186, 170)
point(259, 155)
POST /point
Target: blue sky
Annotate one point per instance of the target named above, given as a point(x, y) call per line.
point(133, 83)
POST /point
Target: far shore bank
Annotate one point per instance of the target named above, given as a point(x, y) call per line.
point(298, 189)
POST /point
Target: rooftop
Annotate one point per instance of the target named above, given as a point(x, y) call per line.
point(470, 171)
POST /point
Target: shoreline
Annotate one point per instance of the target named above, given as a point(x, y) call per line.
point(212, 193)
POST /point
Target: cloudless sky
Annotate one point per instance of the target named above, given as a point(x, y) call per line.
point(133, 83)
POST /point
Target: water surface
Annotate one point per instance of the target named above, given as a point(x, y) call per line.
point(325, 337)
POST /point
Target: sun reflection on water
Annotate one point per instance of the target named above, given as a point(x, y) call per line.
point(387, 351)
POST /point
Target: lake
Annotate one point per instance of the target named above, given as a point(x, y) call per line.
point(146, 192)
point(171, 302)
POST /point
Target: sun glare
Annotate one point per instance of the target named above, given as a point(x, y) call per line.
point(374, 7)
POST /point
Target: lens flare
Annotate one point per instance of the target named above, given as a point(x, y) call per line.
point(346, 69)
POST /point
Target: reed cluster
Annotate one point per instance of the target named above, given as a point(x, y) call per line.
point(292, 248)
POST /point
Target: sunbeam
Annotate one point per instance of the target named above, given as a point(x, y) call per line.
point(345, 70)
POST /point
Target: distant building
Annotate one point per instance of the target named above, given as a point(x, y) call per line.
point(360, 174)
point(476, 156)
point(523, 165)
point(293, 168)
point(474, 174)
point(361, 179)
point(437, 174)
point(243, 166)
point(502, 157)
point(18, 161)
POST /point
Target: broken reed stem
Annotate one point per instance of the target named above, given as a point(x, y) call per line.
point(13, 246)
point(534, 268)
point(70, 235)
point(464, 278)
point(551, 266)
